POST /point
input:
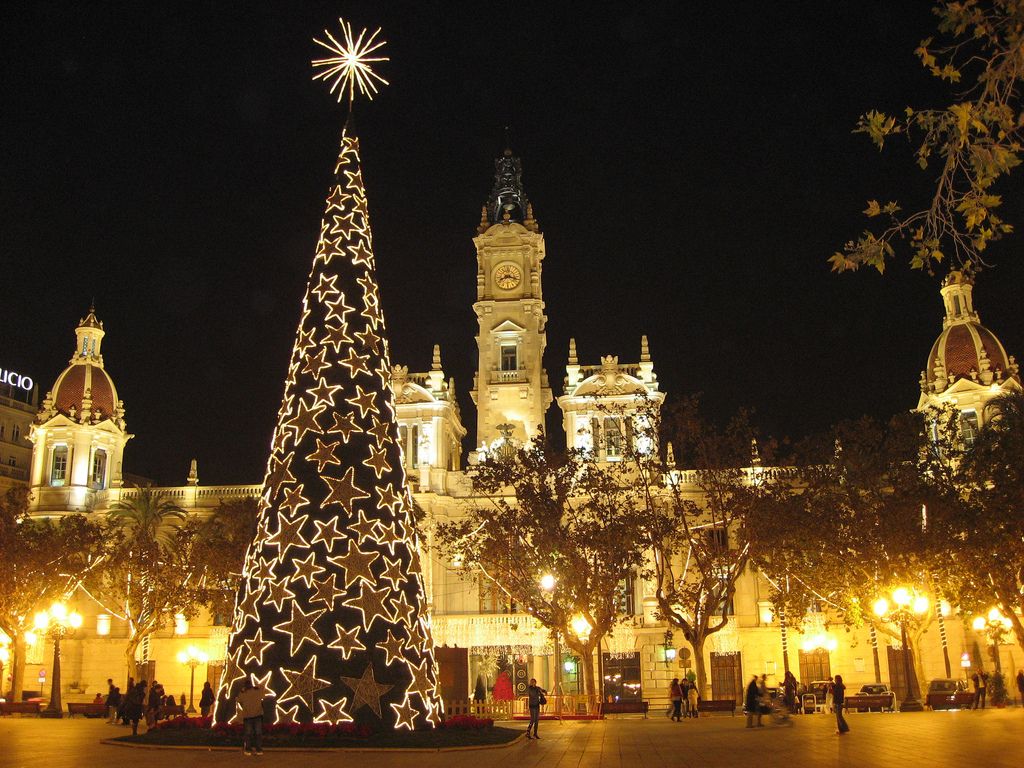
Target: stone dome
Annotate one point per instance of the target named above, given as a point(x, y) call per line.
point(85, 385)
point(82, 381)
point(965, 349)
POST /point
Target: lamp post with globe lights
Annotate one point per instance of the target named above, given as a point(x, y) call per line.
point(995, 626)
point(192, 657)
point(906, 606)
point(56, 623)
point(547, 584)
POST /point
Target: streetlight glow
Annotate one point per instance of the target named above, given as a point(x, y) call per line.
point(881, 607)
point(581, 626)
point(901, 596)
point(547, 582)
point(920, 604)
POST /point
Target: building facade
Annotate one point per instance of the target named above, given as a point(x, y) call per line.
point(79, 434)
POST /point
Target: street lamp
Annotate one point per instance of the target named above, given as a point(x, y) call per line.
point(670, 651)
point(547, 584)
point(906, 607)
point(995, 626)
point(192, 657)
point(57, 623)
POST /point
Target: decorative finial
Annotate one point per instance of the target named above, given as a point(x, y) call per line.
point(670, 456)
point(193, 473)
point(351, 67)
point(435, 363)
point(645, 350)
point(572, 352)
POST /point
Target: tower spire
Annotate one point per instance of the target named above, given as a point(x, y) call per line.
point(507, 201)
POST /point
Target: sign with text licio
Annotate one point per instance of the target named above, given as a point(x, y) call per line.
point(16, 380)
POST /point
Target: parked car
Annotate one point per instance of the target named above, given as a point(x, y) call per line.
point(815, 696)
point(872, 689)
point(944, 693)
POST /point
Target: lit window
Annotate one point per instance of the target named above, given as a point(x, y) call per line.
point(59, 465)
point(612, 437)
point(98, 475)
point(414, 446)
point(969, 427)
point(509, 357)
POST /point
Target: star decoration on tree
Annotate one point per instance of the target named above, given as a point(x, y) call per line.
point(356, 564)
point(299, 628)
point(344, 490)
point(405, 714)
point(347, 641)
point(333, 711)
point(392, 647)
point(372, 604)
point(255, 647)
point(366, 691)
point(303, 685)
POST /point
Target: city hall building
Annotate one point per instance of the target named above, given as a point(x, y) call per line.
point(79, 434)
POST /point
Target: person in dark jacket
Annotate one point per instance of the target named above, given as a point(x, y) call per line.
point(535, 698)
point(838, 701)
point(113, 704)
point(134, 704)
point(1020, 685)
point(206, 699)
point(752, 703)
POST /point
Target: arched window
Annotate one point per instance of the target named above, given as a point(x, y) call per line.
point(98, 471)
point(59, 465)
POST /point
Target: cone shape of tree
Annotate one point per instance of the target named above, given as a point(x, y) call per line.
point(330, 617)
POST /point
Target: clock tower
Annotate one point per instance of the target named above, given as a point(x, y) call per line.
point(511, 386)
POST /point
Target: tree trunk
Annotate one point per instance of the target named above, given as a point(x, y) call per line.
point(587, 660)
point(698, 666)
point(129, 657)
point(17, 666)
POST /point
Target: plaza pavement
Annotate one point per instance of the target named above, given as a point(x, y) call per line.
point(991, 739)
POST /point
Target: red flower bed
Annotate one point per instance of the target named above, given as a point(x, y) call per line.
point(314, 730)
point(468, 723)
point(182, 723)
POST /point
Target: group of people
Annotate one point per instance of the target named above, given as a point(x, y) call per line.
point(149, 702)
point(758, 702)
point(684, 697)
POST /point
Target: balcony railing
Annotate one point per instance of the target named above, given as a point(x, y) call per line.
point(508, 377)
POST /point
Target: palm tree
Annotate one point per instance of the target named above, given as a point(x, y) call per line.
point(148, 517)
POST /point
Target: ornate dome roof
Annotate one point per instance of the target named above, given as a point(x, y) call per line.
point(82, 381)
point(85, 386)
point(965, 349)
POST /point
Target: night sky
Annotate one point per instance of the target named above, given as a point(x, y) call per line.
point(691, 171)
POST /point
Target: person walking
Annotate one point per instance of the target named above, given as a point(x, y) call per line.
point(250, 707)
point(752, 703)
point(206, 699)
point(983, 687)
point(789, 692)
point(838, 701)
point(976, 681)
point(675, 695)
point(536, 698)
point(1020, 685)
point(113, 702)
point(693, 699)
point(684, 687)
point(134, 704)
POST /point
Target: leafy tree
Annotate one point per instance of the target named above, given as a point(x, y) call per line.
point(973, 142)
point(558, 513)
point(697, 528)
point(43, 560)
point(987, 529)
point(853, 522)
point(159, 562)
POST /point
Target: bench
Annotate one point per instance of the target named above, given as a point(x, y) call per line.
point(882, 701)
point(20, 708)
point(717, 705)
point(625, 707)
point(87, 709)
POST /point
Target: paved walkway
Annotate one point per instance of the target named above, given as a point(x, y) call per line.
point(991, 738)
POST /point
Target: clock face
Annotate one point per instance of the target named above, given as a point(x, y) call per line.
point(507, 276)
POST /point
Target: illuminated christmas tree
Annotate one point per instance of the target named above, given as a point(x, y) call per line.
point(331, 615)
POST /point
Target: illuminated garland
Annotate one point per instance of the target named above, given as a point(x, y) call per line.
point(331, 612)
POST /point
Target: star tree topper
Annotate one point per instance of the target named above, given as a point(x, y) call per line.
point(351, 65)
